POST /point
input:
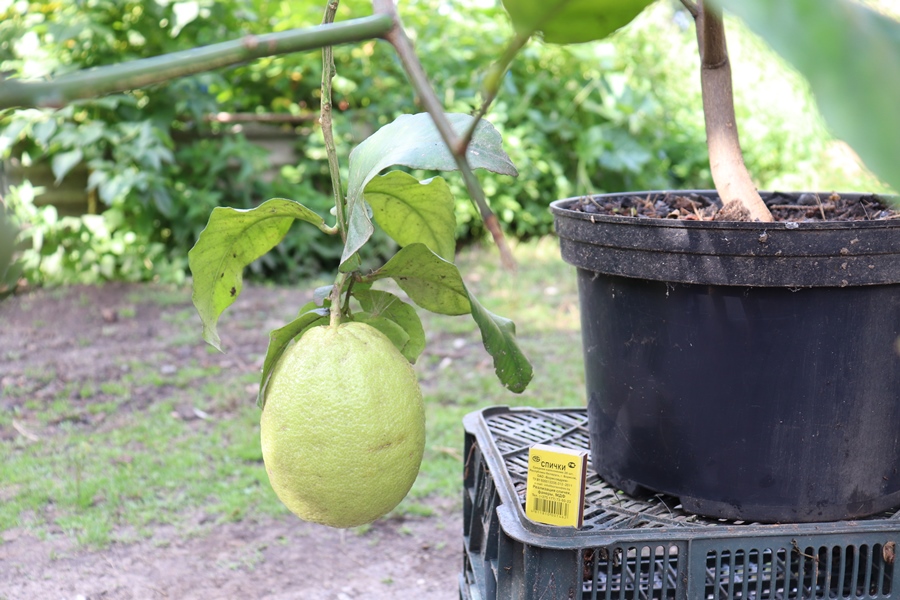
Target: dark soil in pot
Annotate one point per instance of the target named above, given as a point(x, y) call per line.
point(750, 369)
point(703, 206)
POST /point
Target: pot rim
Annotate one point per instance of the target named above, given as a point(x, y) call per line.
point(561, 208)
point(736, 253)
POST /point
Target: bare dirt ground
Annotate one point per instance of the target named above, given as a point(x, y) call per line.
point(81, 334)
point(279, 559)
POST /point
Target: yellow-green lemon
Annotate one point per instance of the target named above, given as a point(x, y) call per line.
point(343, 426)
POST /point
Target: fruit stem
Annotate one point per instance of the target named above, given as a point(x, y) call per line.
point(335, 298)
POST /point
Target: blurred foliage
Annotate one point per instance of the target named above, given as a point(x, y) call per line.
point(610, 116)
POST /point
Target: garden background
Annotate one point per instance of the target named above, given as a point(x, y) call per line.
point(134, 176)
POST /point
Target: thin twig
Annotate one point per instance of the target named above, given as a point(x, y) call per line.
point(410, 61)
point(821, 209)
point(334, 166)
point(24, 432)
point(492, 82)
point(801, 207)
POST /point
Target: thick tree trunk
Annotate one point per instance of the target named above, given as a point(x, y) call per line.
point(736, 189)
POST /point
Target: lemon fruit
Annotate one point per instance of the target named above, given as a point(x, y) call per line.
point(343, 426)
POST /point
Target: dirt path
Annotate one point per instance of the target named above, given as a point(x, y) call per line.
point(81, 334)
point(283, 559)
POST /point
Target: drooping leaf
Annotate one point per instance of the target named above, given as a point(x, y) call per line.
point(389, 306)
point(278, 343)
point(411, 211)
point(232, 240)
point(64, 162)
point(850, 55)
point(390, 329)
point(413, 141)
point(572, 21)
point(431, 282)
point(499, 337)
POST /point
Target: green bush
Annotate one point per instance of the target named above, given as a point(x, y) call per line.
point(611, 116)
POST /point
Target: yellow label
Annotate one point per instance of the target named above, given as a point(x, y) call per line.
point(555, 491)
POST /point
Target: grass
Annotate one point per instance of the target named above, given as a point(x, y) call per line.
point(147, 465)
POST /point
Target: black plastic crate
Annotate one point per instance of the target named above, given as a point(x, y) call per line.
point(643, 549)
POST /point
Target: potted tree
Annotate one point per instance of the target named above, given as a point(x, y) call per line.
point(743, 361)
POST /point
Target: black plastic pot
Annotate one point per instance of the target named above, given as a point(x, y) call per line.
point(750, 369)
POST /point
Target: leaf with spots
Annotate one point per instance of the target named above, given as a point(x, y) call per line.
point(498, 334)
point(233, 239)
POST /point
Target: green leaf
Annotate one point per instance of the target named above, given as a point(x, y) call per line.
point(43, 130)
point(499, 337)
point(390, 329)
point(389, 306)
point(232, 240)
point(572, 21)
point(851, 57)
point(64, 162)
point(415, 212)
point(321, 294)
point(351, 264)
point(431, 282)
point(413, 141)
point(312, 305)
point(278, 343)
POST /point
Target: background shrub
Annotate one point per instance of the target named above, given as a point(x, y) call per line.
point(610, 116)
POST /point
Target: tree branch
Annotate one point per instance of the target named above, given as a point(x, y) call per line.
point(139, 73)
point(691, 8)
point(740, 199)
point(419, 80)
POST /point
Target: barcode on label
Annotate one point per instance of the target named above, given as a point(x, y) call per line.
point(550, 507)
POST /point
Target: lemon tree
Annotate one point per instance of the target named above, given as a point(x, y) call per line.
point(342, 426)
point(418, 215)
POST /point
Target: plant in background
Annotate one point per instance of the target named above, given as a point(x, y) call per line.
point(622, 118)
